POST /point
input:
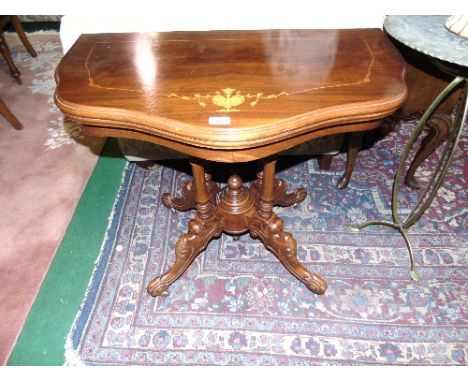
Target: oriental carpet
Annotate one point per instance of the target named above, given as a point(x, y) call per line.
point(237, 305)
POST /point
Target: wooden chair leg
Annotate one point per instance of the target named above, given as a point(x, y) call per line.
point(9, 116)
point(5, 51)
point(439, 125)
point(324, 161)
point(354, 141)
point(22, 35)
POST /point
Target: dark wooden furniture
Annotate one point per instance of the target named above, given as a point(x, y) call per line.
point(9, 116)
point(353, 143)
point(231, 97)
point(5, 51)
point(425, 82)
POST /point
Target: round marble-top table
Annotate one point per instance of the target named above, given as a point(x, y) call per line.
point(428, 35)
point(448, 52)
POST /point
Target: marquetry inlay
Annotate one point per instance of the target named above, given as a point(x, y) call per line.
point(228, 99)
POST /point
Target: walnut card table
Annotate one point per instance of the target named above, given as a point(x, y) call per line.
point(232, 97)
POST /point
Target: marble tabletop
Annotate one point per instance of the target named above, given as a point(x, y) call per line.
point(428, 35)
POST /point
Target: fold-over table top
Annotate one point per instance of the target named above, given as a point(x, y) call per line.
point(230, 90)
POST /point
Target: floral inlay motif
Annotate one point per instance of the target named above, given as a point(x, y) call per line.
point(228, 98)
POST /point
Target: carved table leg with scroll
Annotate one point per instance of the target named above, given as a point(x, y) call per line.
point(208, 223)
point(187, 200)
point(268, 227)
point(280, 196)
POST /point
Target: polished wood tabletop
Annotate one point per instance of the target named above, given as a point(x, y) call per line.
point(231, 96)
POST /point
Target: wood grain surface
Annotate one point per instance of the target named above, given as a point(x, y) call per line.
point(231, 96)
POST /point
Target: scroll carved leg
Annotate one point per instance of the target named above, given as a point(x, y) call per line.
point(439, 125)
point(280, 196)
point(208, 223)
point(283, 246)
point(187, 201)
point(187, 248)
point(268, 227)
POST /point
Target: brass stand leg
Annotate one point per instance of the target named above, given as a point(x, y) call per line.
point(206, 225)
point(187, 201)
point(268, 227)
point(439, 174)
point(354, 144)
point(414, 274)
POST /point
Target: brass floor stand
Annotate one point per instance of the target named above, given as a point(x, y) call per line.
point(437, 178)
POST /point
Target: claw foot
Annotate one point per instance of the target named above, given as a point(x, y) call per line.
point(315, 283)
point(157, 287)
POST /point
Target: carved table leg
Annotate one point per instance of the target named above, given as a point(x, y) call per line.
point(354, 144)
point(439, 125)
point(208, 223)
point(268, 227)
point(187, 201)
point(280, 196)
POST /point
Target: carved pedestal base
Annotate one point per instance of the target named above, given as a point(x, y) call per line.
point(280, 196)
point(283, 246)
point(239, 210)
point(187, 201)
point(199, 234)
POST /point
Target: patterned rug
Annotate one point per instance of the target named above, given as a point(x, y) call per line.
point(237, 305)
point(42, 68)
